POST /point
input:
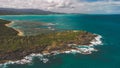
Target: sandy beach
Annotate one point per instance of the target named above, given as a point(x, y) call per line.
point(20, 32)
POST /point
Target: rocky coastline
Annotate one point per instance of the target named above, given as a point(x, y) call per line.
point(16, 49)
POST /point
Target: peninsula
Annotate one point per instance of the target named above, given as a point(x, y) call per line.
point(14, 47)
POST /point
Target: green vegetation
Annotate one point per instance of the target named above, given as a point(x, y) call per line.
point(6, 31)
point(14, 47)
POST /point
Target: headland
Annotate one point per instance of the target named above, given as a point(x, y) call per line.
point(15, 46)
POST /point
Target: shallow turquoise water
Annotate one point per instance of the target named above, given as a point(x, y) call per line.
point(108, 55)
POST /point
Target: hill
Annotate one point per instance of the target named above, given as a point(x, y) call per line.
point(12, 11)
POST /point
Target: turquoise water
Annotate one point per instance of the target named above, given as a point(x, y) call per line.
point(108, 26)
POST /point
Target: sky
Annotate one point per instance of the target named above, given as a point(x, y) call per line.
point(66, 6)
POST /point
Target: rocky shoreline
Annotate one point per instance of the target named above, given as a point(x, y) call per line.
point(28, 59)
point(45, 44)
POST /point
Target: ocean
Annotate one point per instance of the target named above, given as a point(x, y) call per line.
point(108, 26)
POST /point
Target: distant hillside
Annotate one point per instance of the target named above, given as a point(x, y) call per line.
point(12, 11)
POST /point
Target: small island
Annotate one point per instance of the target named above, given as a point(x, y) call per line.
point(15, 47)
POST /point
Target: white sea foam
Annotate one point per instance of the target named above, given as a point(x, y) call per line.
point(26, 60)
point(83, 50)
point(97, 40)
point(50, 24)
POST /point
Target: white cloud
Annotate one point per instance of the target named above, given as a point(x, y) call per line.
point(68, 6)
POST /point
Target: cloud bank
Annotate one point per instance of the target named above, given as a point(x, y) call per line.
point(66, 6)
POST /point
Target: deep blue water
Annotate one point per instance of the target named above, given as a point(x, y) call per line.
point(108, 26)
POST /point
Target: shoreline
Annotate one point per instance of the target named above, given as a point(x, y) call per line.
point(46, 44)
point(20, 32)
point(28, 59)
